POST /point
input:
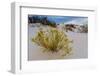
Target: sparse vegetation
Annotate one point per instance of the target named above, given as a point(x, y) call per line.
point(53, 40)
point(84, 28)
point(80, 28)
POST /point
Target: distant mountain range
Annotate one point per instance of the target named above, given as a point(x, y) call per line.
point(58, 19)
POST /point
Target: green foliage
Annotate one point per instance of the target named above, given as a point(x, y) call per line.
point(53, 40)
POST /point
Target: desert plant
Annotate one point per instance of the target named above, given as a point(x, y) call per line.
point(84, 28)
point(53, 40)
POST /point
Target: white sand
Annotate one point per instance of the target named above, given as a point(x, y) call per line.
point(80, 46)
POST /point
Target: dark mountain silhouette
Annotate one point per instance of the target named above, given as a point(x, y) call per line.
point(43, 20)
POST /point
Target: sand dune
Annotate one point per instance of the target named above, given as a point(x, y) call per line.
point(80, 46)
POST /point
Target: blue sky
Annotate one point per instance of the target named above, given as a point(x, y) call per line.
point(67, 19)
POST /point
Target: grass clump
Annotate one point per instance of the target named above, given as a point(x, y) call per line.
point(53, 40)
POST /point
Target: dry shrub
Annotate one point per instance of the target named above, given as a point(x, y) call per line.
point(53, 40)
